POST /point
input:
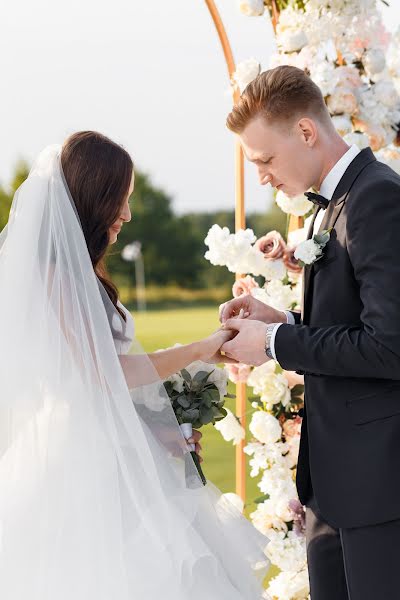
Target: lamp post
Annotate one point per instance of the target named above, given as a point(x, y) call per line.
point(133, 253)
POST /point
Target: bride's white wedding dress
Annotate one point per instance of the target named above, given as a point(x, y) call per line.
point(95, 499)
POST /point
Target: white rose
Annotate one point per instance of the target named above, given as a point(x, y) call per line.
point(251, 8)
point(290, 585)
point(265, 427)
point(342, 100)
point(283, 511)
point(276, 389)
point(292, 40)
point(199, 365)
point(308, 252)
point(280, 296)
point(296, 205)
point(265, 519)
point(177, 382)
point(235, 500)
point(219, 377)
point(246, 71)
point(257, 377)
point(386, 93)
point(391, 157)
point(342, 124)
point(374, 61)
point(359, 139)
point(273, 269)
point(155, 403)
point(230, 428)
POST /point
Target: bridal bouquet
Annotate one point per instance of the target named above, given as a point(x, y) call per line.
point(198, 394)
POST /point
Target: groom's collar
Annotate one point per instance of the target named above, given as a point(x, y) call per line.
point(331, 180)
point(362, 159)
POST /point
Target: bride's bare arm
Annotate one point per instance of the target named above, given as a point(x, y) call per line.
point(167, 362)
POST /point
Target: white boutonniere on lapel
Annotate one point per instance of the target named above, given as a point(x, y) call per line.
point(311, 250)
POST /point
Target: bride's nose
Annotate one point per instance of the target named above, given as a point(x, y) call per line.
point(126, 214)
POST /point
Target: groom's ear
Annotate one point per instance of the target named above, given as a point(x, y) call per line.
point(308, 130)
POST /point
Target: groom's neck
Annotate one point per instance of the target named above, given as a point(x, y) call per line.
point(332, 151)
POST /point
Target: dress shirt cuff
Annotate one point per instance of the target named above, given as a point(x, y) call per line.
point(290, 320)
point(272, 342)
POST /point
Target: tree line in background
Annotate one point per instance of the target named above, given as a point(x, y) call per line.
point(172, 245)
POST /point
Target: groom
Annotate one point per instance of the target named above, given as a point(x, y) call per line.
point(346, 341)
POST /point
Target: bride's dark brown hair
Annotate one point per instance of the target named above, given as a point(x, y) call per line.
point(98, 173)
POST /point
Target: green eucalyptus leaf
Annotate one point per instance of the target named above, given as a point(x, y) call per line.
point(184, 401)
point(201, 377)
point(297, 390)
point(261, 499)
point(206, 415)
point(186, 375)
point(190, 415)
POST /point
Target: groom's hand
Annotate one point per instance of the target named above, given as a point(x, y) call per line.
point(248, 346)
point(252, 309)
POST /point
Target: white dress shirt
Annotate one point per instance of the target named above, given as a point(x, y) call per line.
point(327, 189)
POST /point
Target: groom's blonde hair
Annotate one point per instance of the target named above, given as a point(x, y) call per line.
point(279, 95)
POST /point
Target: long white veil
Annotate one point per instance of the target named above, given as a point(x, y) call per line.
point(96, 501)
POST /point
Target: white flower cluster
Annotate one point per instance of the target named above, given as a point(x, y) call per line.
point(274, 454)
point(290, 585)
point(251, 8)
point(308, 252)
point(237, 252)
point(278, 294)
point(273, 388)
point(230, 428)
point(295, 205)
point(358, 73)
point(246, 71)
point(287, 551)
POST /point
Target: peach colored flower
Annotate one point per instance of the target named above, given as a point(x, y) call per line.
point(292, 427)
point(293, 378)
point(271, 245)
point(238, 373)
point(244, 285)
point(375, 132)
point(290, 262)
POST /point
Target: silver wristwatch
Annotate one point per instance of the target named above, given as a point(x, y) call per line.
point(268, 334)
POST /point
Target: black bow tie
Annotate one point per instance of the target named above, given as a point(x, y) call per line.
point(317, 199)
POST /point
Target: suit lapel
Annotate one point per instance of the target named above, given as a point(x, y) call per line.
point(364, 158)
point(307, 268)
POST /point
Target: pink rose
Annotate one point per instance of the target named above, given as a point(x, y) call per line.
point(238, 373)
point(244, 285)
point(290, 262)
point(292, 427)
point(271, 245)
point(299, 516)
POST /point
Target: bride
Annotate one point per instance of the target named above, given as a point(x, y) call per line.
point(96, 502)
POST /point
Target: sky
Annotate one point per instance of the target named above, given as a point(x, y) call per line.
point(148, 73)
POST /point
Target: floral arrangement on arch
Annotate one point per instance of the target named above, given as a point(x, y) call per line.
point(274, 276)
point(345, 48)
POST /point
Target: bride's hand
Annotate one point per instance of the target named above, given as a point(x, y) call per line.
point(210, 346)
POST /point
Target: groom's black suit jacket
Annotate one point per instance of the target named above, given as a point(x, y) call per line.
point(347, 344)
